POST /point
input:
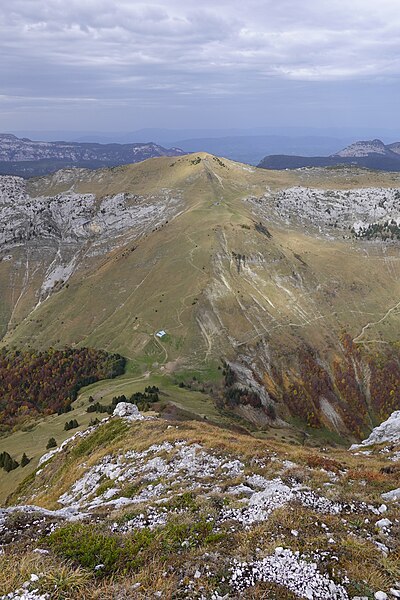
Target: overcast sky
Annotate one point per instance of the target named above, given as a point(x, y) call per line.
point(114, 65)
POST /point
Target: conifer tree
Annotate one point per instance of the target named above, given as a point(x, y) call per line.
point(25, 460)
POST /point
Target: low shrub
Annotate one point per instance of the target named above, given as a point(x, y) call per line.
point(90, 547)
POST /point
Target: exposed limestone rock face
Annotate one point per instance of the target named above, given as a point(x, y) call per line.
point(354, 209)
point(392, 496)
point(62, 232)
point(388, 431)
point(365, 148)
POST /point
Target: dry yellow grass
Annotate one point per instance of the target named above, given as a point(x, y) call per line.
point(352, 535)
point(17, 567)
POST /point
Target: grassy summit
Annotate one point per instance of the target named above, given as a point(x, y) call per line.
point(280, 347)
point(234, 263)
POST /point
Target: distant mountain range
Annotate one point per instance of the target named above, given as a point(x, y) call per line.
point(246, 146)
point(27, 158)
point(370, 154)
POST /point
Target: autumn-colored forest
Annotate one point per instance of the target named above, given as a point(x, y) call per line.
point(349, 391)
point(40, 383)
point(362, 385)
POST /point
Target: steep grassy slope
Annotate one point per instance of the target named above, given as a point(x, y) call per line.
point(226, 277)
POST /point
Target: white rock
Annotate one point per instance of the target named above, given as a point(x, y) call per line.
point(383, 523)
point(128, 411)
point(69, 513)
point(78, 434)
point(384, 549)
point(290, 570)
point(240, 489)
point(388, 431)
point(392, 496)
point(380, 596)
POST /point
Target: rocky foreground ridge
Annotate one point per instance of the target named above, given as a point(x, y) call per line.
point(139, 508)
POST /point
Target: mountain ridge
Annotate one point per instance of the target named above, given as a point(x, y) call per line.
point(24, 157)
point(368, 148)
point(137, 507)
point(369, 154)
point(255, 314)
point(230, 261)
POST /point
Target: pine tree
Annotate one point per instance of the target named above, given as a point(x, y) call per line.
point(5, 460)
point(9, 463)
point(25, 460)
point(51, 443)
point(72, 424)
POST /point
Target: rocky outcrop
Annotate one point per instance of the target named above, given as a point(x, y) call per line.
point(128, 411)
point(365, 149)
point(70, 227)
point(388, 431)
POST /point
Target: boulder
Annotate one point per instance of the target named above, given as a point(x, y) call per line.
point(128, 411)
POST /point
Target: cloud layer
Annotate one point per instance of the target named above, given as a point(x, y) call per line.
point(98, 56)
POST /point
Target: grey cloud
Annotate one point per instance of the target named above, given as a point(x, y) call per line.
point(127, 32)
point(165, 51)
